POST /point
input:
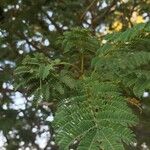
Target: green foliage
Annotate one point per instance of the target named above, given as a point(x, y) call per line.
point(79, 46)
point(96, 116)
point(126, 60)
point(91, 97)
point(43, 77)
point(79, 41)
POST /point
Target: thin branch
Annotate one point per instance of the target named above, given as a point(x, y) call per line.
point(82, 64)
point(103, 14)
point(2, 90)
point(53, 22)
point(69, 64)
point(28, 42)
point(131, 12)
point(43, 50)
point(89, 6)
point(49, 104)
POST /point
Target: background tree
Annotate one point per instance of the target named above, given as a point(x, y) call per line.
point(27, 27)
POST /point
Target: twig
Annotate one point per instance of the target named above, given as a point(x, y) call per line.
point(28, 42)
point(91, 4)
point(104, 12)
point(53, 22)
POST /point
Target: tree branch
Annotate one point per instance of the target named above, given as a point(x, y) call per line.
point(53, 22)
point(89, 6)
point(103, 14)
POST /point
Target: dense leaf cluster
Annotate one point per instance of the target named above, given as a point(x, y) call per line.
point(53, 71)
point(96, 116)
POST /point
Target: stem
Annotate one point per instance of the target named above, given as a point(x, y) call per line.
point(94, 70)
point(91, 4)
point(40, 91)
point(82, 64)
point(72, 65)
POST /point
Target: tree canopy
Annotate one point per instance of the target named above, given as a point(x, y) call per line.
point(74, 74)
